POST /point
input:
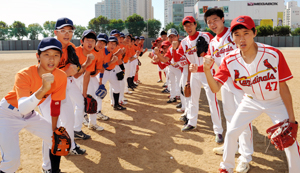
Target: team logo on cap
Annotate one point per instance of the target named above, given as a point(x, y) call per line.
point(241, 19)
point(66, 20)
point(169, 32)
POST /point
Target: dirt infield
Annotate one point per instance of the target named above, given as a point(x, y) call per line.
point(147, 137)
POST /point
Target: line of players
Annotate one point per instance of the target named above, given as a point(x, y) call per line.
point(185, 65)
point(101, 58)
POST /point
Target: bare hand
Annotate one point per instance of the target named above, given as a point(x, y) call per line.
point(193, 68)
point(72, 70)
point(155, 58)
point(175, 45)
point(156, 50)
point(138, 53)
point(84, 95)
point(208, 61)
point(114, 59)
point(90, 58)
point(47, 80)
point(150, 55)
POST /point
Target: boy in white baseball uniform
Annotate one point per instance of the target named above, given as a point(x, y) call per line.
point(220, 46)
point(32, 86)
point(261, 72)
point(187, 49)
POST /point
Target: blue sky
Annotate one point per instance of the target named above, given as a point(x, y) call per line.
point(39, 11)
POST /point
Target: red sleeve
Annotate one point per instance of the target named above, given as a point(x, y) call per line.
point(210, 36)
point(283, 69)
point(169, 55)
point(222, 73)
point(161, 65)
point(179, 53)
point(55, 108)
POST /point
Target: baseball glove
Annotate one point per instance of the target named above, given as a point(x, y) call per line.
point(120, 75)
point(101, 91)
point(90, 105)
point(187, 90)
point(283, 134)
point(61, 142)
point(139, 62)
point(73, 58)
point(202, 46)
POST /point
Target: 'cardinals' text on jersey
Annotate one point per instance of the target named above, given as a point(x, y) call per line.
point(259, 79)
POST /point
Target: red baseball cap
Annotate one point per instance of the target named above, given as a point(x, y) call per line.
point(158, 39)
point(242, 20)
point(190, 19)
point(165, 43)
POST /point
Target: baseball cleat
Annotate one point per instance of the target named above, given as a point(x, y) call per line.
point(178, 97)
point(101, 116)
point(123, 103)
point(172, 100)
point(129, 92)
point(242, 167)
point(184, 119)
point(95, 127)
point(43, 171)
point(179, 105)
point(81, 135)
point(219, 138)
point(180, 110)
point(220, 150)
point(86, 120)
point(187, 127)
point(119, 108)
point(77, 151)
point(159, 81)
point(165, 85)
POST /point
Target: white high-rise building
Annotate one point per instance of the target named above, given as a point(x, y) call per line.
point(121, 9)
point(292, 15)
point(168, 10)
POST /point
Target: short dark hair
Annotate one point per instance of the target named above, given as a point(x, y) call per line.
point(163, 33)
point(188, 22)
point(102, 41)
point(90, 35)
point(213, 11)
point(241, 27)
point(132, 39)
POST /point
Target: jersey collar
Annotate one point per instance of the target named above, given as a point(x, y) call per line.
point(222, 33)
point(106, 51)
point(194, 36)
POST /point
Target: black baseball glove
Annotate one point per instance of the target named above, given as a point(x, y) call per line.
point(73, 58)
point(120, 75)
point(202, 46)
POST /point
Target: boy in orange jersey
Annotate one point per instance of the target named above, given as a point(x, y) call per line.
point(109, 74)
point(32, 86)
point(130, 52)
point(64, 30)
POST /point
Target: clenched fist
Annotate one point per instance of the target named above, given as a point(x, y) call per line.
point(193, 68)
point(175, 45)
point(114, 59)
point(156, 50)
point(90, 58)
point(72, 70)
point(155, 58)
point(208, 61)
point(150, 55)
point(47, 80)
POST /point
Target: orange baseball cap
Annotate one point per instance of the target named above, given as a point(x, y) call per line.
point(246, 21)
point(190, 19)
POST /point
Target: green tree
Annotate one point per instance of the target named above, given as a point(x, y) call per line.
point(18, 30)
point(49, 27)
point(79, 30)
point(264, 30)
point(296, 32)
point(116, 24)
point(210, 31)
point(282, 30)
point(3, 30)
point(99, 24)
point(135, 24)
point(153, 27)
point(34, 30)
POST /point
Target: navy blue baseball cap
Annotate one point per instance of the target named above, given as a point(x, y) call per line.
point(89, 31)
point(136, 37)
point(62, 22)
point(113, 39)
point(49, 43)
point(122, 34)
point(113, 32)
point(102, 37)
point(142, 38)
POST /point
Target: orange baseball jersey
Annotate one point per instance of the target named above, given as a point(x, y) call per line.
point(107, 57)
point(99, 60)
point(63, 64)
point(28, 81)
point(129, 53)
point(125, 59)
point(83, 58)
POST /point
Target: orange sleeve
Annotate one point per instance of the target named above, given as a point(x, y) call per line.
point(60, 79)
point(22, 85)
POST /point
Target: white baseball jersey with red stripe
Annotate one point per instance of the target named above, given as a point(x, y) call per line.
point(261, 78)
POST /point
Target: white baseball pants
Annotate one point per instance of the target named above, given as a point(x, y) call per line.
point(174, 76)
